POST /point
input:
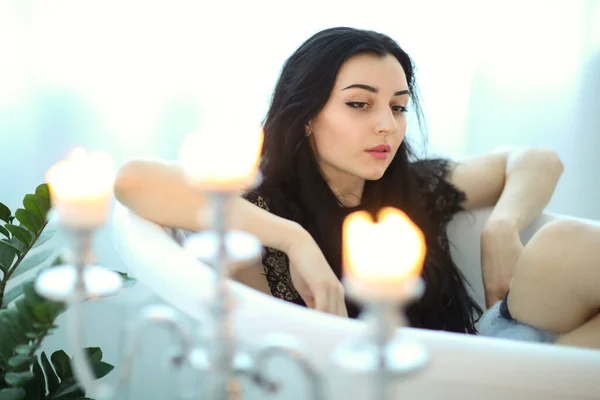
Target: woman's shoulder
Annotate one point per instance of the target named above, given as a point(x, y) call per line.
point(441, 198)
point(431, 168)
point(258, 197)
point(274, 199)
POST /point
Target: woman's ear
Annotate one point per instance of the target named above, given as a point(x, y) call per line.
point(308, 128)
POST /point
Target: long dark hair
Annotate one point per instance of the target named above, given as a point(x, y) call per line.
point(298, 191)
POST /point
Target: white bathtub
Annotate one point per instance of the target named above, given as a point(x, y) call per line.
point(460, 366)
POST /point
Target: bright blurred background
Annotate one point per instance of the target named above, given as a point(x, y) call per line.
point(135, 77)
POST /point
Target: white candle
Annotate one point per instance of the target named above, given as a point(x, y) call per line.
point(222, 158)
point(81, 188)
point(380, 259)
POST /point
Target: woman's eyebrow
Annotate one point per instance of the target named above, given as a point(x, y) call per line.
point(373, 89)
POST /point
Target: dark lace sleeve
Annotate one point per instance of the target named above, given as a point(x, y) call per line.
point(441, 198)
point(275, 262)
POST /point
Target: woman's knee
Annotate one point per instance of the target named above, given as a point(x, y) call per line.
point(564, 252)
point(566, 237)
point(545, 247)
point(555, 281)
point(562, 228)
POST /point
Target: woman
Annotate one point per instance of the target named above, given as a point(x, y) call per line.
point(334, 143)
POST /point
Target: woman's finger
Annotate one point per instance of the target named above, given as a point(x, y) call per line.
point(334, 302)
point(341, 302)
point(322, 301)
point(342, 311)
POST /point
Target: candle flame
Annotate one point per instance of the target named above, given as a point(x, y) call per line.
point(391, 250)
point(224, 157)
point(82, 175)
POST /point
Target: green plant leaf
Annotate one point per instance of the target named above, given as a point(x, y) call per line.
point(43, 201)
point(127, 280)
point(59, 260)
point(14, 293)
point(62, 364)
point(33, 300)
point(33, 261)
point(19, 360)
point(18, 378)
point(4, 213)
point(12, 333)
point(17, 328)
point(43, 191)
point(41, 312)
point(68, 389)
point(10, 296)
point(8, 252)
point(30, 203)
point(15, 244)
point(27, 319)
point(30, 219)
point(12, 394)
point(51, 377)
point(39, 374)
point(102, 369)
point(36, 388)
point(4, 232)
point(94, 354)
point(20, 233)
point(24, 349)
point(46, 235)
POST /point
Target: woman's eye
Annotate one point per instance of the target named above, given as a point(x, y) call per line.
point(357, 104)
point(399, 109)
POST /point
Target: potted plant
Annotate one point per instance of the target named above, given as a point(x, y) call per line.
point(25, 317)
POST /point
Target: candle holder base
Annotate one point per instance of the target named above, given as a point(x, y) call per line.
point(241, 246)
point(200, 360)
point(382, 353)
point(58, 283)
point(400, 359)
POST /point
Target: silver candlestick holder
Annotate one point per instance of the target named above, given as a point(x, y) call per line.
point(227, 364)
point(75, 283)
point(381, 354)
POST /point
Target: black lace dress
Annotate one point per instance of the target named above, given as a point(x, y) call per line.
point(441, 201)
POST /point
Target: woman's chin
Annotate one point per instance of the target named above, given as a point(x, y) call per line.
point(374, 175)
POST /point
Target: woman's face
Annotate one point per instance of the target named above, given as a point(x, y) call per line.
point(360, 128)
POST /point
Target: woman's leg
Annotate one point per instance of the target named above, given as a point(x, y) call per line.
point(587, 335)
point(556, 282)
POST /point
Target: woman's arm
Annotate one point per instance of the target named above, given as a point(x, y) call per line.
point(519, 183)
point(159, 192)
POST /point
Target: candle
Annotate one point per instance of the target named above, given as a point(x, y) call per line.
point(381, 258)
point(222, 159)
point(81, 188)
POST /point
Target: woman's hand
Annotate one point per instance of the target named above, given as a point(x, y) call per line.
point(313, 278)
point(501, 248)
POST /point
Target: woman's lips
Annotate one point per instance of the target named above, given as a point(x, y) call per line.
point(379, 155)
point(380, 152)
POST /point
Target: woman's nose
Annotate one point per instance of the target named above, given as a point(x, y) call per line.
point(386, 122)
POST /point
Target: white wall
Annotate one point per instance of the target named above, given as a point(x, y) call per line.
point(537, 83)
